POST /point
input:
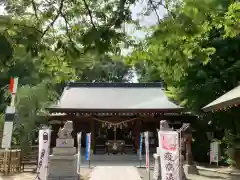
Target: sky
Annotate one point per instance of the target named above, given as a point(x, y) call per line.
point(146, 21)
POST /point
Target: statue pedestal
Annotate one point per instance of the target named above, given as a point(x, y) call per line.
point(191, 169)
point(63, 162)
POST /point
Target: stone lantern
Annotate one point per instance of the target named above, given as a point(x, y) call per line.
point(187, 136)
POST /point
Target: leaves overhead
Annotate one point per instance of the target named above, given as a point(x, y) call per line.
point(195, 51)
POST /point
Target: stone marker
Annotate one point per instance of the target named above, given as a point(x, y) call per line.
point(63, 161)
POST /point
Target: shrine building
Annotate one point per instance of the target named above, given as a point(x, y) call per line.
point(115, 113)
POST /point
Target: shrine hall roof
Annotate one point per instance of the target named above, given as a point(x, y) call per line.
point(106, 97)
point(231, 98)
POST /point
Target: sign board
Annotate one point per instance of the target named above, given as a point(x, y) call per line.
point(214, 152)
point(140, 148)
point(44, 147)
point(169, 155)
point(88, 146)
point(146, 136)
point(79, 138)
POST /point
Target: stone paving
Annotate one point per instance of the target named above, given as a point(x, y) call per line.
point(203, 175)
point(115, 173)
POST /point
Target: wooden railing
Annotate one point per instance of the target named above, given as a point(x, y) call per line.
point(16, 160)
point(29, 159)
point(10, 161)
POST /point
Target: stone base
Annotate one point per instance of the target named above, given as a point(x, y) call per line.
point(64, 151)
point(64, 142)
point(62, 166)
point(191, 169)
point(63, 178)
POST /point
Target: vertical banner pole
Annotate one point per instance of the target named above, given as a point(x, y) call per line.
point(140, 149)
point(44, 145)
point(9, 115)
point(79, 138)
point(88, 149)
point(180, 154)
point(169, 154)
point(146, 134)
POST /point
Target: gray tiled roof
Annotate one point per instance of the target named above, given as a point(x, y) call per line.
point(230, 98)
point(115, 96)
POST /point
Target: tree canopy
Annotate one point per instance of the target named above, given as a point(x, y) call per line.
point(195, 50)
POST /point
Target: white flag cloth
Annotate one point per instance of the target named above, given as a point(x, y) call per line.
point(44, 145)
point(169, 155)
point(79, 138)
point(146, 136)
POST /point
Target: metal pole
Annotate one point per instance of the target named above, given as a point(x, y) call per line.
point(115, 132)
point(180, 155)
point(149, 176)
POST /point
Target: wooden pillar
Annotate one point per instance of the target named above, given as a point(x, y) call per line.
point(137, 131)
point(93, 135)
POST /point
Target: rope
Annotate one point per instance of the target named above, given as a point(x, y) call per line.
point(114, 124)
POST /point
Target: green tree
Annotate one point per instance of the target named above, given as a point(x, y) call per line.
point(30, 104)
point(195, 51)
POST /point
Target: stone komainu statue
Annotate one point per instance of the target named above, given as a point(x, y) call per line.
point(164, 125)
point(66, 131)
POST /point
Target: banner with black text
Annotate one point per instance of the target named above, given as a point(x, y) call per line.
point(44, 147)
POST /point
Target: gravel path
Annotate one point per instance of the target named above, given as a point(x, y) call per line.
point(85, 173)
point(203, 175)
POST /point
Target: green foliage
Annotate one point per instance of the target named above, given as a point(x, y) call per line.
point(195, 52)
point(50, 42)
point(192, 53)
point(31, 103)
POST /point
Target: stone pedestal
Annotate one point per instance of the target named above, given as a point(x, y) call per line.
point(191, 169)
point(182, 172)
point(63, 161)
point(157, 167)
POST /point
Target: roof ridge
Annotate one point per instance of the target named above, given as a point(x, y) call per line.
point(116, 84)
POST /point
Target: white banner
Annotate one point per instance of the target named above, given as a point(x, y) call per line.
point(79, 138)
point(169, 155)
point(7, 134)
point(214, 152)
point(146, 136)
point(44, 145)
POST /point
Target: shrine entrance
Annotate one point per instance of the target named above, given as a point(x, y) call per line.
point(116, 137)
